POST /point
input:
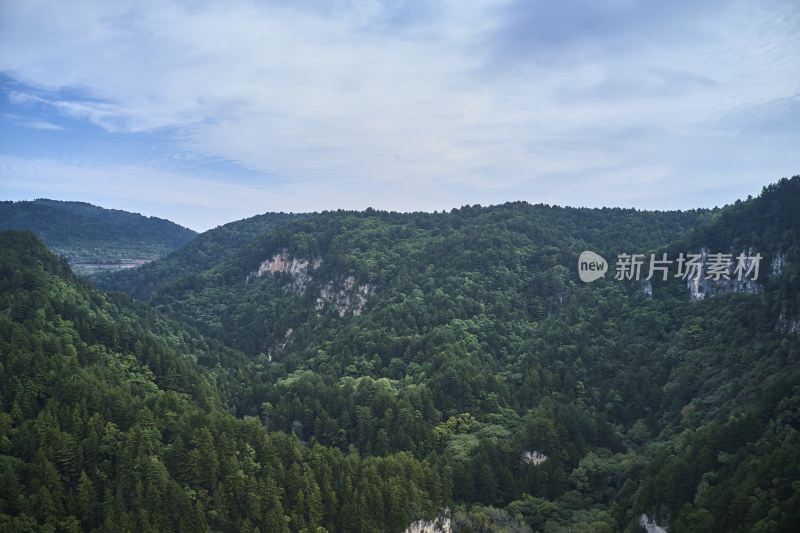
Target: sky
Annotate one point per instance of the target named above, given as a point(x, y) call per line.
point(206, 112)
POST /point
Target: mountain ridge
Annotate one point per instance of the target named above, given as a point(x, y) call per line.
point(450, 349)
point(205, 251)
point(108, 424)
point(93, 237)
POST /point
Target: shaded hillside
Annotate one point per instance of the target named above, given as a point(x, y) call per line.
point(108, 424)
point(447, 361)
point(468, 337)
point(204, 252)
point(770, 225)
point(526, 252)
point(731, 452)
point(90, 235)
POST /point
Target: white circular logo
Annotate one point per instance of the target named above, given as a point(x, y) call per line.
point(591, 266)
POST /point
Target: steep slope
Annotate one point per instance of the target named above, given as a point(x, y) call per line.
point(468, 338)
point(769, 226)
point(516, 246)
point(437, 360)
point(731, 404)
point(107, 424)
point(91, 235)
point(204, 252)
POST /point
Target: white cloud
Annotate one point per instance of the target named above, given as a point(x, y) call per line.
point(467, 101)
point(31, 123)
point(42, 125)
point(196, 203)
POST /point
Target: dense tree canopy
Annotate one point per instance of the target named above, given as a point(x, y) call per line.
point(382, 367)
point(202, 253)
point(85, 233)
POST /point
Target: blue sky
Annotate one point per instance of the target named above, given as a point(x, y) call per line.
point(207, 112)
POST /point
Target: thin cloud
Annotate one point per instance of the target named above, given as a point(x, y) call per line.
point(42, 125)
point(31, 123)
point(196, 203)
point(424, 102)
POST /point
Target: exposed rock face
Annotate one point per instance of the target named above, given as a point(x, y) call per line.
point(777, 264)
point(534, 457)
point(647, 289)
point(702, 285)
point(788, 325)
point(441, 524)
point(281, 262)
point(650, 525)
point(350, 296)
point(750, 283)
point(297, 268)
point(278, 348)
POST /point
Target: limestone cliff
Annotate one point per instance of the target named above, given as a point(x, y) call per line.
point(298, 269)
point(750, 281)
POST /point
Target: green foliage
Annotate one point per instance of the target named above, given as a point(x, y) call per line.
point(202, 253)
point(85, 233)
point(108, 424)
point(394, 364)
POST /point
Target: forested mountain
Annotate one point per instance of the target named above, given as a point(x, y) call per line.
point(107, 423)
point(204, 252)
point(524, 251)
point(447, 362)
point(89, 235)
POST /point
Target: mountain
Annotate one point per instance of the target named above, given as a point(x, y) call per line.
point(481, 347)
point(366, 370)
point(329, 259)
point(202, 253)
point(92, 237)
point(109, 424)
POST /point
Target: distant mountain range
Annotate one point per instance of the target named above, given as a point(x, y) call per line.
point(366, 371)
point(204, 252)
point(92, 237)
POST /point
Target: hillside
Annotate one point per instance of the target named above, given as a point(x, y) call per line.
point(523, 251)
point(94, 238)
point(109, 424)
point(483, 347)
point(202, 253)
point(386, 367)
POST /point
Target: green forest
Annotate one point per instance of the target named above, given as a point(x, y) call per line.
point(352, 371)
point(90, 235)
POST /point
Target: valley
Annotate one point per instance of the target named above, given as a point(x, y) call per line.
point(378, 371)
